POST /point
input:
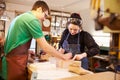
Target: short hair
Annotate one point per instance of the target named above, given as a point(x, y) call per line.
point(41, 4)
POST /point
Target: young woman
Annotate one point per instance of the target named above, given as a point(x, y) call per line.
point(77, 41)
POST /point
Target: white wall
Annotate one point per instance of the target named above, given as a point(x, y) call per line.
point(11, 12)
point(11, 9)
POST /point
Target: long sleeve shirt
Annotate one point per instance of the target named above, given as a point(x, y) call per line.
point(87, 43)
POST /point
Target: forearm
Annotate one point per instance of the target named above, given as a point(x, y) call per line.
point(49, 49)
point(93, 52)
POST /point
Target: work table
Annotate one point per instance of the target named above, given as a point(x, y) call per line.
point(48, 71)
point(96, 76)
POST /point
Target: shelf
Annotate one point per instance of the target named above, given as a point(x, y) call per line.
point(102, 57)
point(104, 48)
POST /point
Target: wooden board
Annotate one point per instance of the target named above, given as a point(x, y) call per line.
point(96, 76)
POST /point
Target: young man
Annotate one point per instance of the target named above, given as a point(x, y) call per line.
point(22, 29)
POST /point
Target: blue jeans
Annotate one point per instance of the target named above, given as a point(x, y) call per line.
point(84, 63)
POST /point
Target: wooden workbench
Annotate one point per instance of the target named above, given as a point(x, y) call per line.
point(96, 76)
point(47, 71)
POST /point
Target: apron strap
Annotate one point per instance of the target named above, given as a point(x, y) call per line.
point(67, 36)
point(78, 38)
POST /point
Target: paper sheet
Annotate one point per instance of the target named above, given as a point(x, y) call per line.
point(51, 74)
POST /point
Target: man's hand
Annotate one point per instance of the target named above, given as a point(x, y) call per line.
point(68, 56)
point(61, 50)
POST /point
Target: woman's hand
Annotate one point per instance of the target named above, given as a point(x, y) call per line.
point(61, 50)
point(79, 56)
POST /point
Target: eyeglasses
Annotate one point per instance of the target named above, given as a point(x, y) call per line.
point(46, 14)
point(75, 21)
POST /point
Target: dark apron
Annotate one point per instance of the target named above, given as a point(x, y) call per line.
point(17, 62)
point(75, 49)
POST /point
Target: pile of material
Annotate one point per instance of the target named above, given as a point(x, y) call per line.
point(75, 67)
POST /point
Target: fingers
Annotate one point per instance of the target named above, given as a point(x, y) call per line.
point(61, 50)
point(68, 56)
point(77, 57)
point(74, 57)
